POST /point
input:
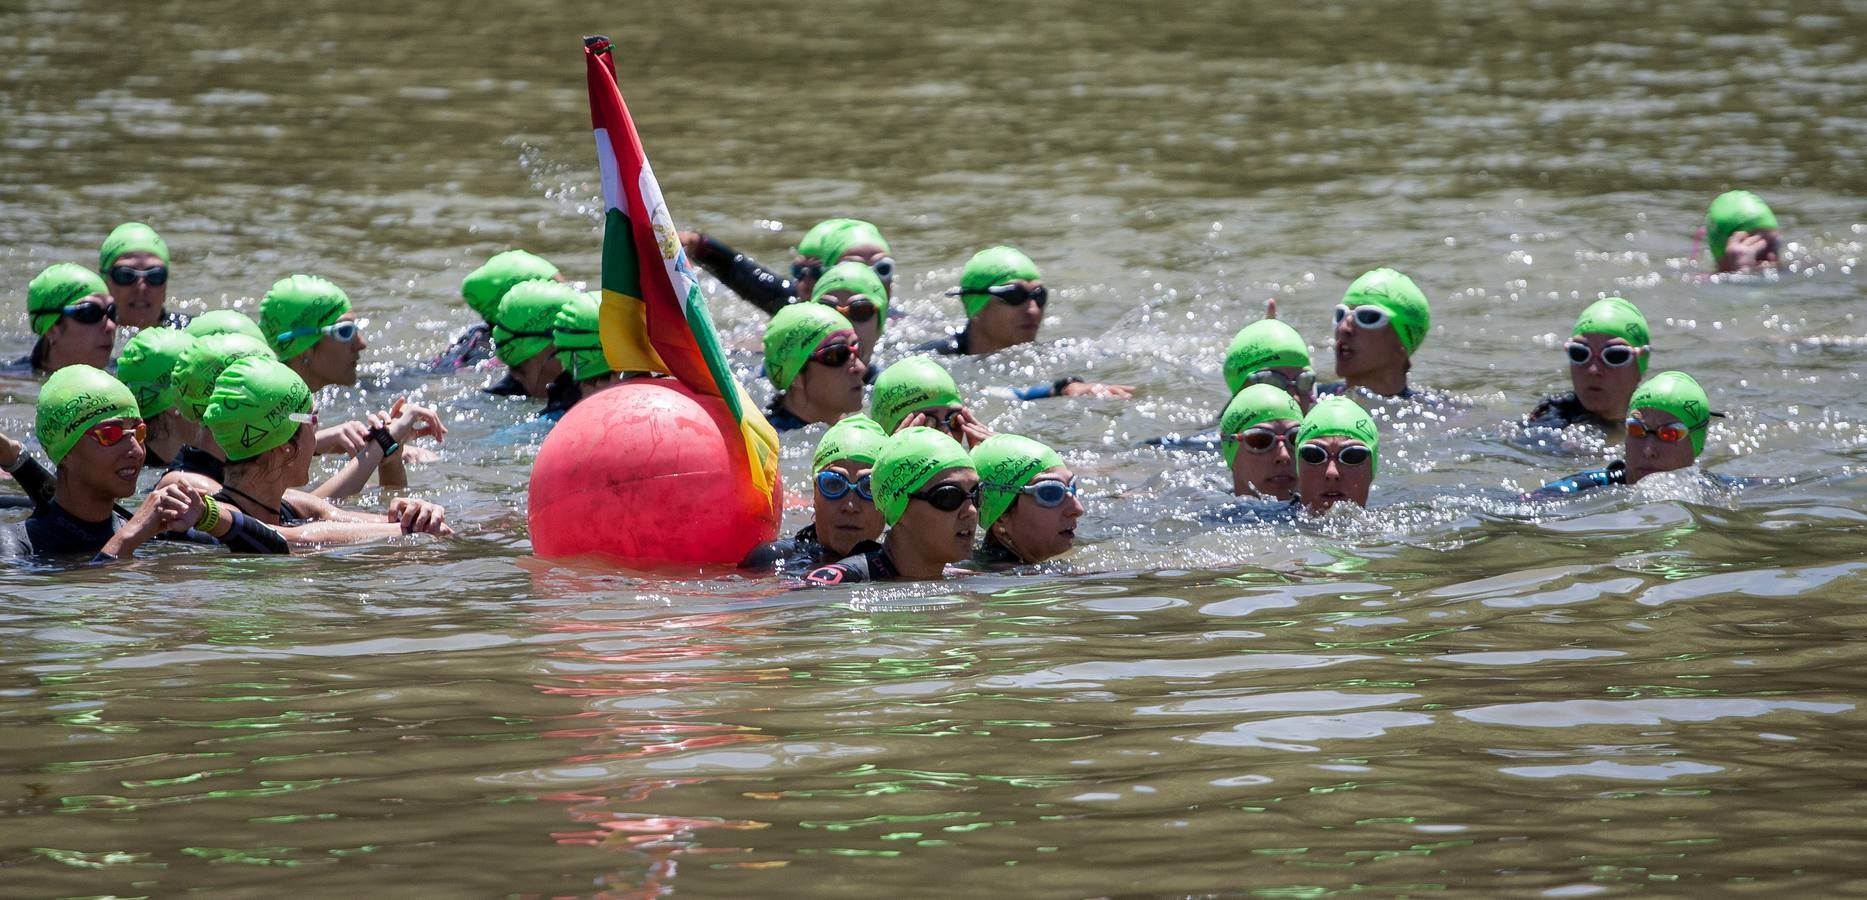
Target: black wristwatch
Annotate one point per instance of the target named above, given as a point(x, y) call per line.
point(388, 444)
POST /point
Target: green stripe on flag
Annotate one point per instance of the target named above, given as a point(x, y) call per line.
point(622, 271)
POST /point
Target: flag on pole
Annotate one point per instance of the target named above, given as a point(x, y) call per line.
point(649, 289)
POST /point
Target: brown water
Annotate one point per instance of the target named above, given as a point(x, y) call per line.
point(1653, 690)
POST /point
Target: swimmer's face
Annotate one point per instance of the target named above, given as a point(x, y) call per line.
point(1603, 389)
point(1363, 352)
point(331, 361)
point(299, 452)
point(1291, 379)
point(848, 520)
point(937, 534)
point(1327, 483)
point(868, 331)
point(1036, 532)
point(96, 470)
point(537, 373)
point(71, 342)
point(1648, 455)
point(805, 272)
point(139, 303)
point(832, 388)
point(1270, 473)
point(1001, 323)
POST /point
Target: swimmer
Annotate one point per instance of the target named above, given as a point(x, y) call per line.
point(1379, 325)
point(147, 368)
point(1270, 352)
point(813, 358)
point(224, 321)
point(760, 286)
point(1608, 352)
point(261, 413)
point(1028, 503)
point(854, 292)
point(523, 327)
point(1741, 233)
point(482, 289)
point(1338, 446)
point(92, 430)
point(135, 260)
point(845, 521)
point(579, 343)
point(1258, 434)
point(1668, 419)
point(1005, 298)
point(309, 325)
point(928, 493)
point(71, 311)
point(918, 391)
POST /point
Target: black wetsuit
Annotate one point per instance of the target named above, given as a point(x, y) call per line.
point(873, 565)
point(742, 275)
point(288, 514)
point(781, 419)
point(560, 395)
point(1614, 473)
point(994, 555)
point(53, 532)
point(195, 461)
point(1561, 411)
point(796, 556)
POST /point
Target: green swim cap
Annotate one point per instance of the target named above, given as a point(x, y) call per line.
point(295, 311)
point(1007, 462)
point(793, 335)
point(1405, 303)
point(1615, 317)
point(1264, 344)
point(576, 336)
point(252, 405)
point(907, 462)
point(1341, 416)
point(1734, 211)
point(992, 267)
point(855, 276)
point(910, 385)
point(131, 237)
point(523, 325)
point(74, 399)
point(854, 437)
point(1677, 393)
point(203, 362)
point(59, 286)
point(225, 321)
point(147, 368)
point(1254, 406)
point(485, 286)
point(814, 242)
point(855, 234)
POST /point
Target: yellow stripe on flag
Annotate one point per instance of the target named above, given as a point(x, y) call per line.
point(622, 324)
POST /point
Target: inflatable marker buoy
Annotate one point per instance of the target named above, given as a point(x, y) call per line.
point(644, 474)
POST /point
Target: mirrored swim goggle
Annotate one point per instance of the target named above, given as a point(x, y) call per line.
point(833, 485)
point(1304, 383)
point(1012, 294)
point(1366, 316)
point(1351, 455)
point(884, 269)
point(856, 309)
point(154, 276)
point(1262, 439)
point(1614, 356)
point(110, 434)
point(90, 313)
point(836, 355)
point(948, 497)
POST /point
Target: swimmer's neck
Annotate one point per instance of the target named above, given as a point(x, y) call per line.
point(1387, 382)
point(910, 563)
point(981, 341)
point(248, 483)
point(796, 404)
point(85, 506)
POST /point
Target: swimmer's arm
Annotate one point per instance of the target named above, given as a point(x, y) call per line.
point(1074, 386)
point(323, 510)
point(331, 533)
point(33, 477)
point(740, 273)
point(354, 476)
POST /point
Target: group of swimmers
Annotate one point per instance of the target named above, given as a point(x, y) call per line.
point(225, 406)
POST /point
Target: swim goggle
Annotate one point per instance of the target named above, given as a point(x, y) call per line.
point(1670, 433)
point(1351, 455)
point(1012, 294)
point(948, 418)
point(836, 355)
point(1261, 439)
point(111, 434)
point(154, 276)
point(948, 497)
point(1049, 494)
point(1614, 356)
point(310, 418)
point(345, 332)
point(91, 313)
point(856, 309)
point(1368, 316)
point(833, 485)
point(884, 269)
point(1304, 383)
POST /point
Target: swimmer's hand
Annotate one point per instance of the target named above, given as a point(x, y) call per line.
point(692, 241)
point(419, 517)
point(1101, 391)
point(1270, 308)
point(10, 450)
point(348, 438)
point(408, 421)
point(1744, 249)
